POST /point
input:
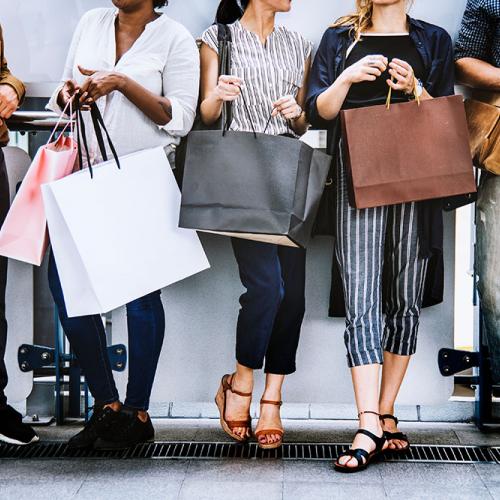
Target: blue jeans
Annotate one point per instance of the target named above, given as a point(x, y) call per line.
point(272, 308)
point(488, 265)
point(86, 334)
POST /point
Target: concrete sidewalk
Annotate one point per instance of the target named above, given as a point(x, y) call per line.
point(254, 479)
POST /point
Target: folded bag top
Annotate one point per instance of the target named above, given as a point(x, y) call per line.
point(414, 151)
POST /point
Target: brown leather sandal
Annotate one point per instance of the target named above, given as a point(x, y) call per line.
point(270, 432)
point(220, 401)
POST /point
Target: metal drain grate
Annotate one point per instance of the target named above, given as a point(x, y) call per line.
point(290, 451)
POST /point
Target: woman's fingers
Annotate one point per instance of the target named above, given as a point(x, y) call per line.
point(231, 80)
point(402, 63)
point(395, 86)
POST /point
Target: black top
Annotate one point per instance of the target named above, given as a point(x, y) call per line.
point(390, 46)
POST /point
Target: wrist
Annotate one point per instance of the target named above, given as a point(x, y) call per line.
point(344, 79)
point(121, 82)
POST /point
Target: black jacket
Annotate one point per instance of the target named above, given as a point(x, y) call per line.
point(436, 49)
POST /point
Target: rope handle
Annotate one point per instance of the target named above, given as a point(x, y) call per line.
point(415, 93)
point(69, 105)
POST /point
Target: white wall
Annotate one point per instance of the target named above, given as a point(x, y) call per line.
point(38, 32)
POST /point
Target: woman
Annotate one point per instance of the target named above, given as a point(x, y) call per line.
point(141, 68)
point(359, 59)
point(268, 81)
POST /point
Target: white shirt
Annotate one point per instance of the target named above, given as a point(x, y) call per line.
point(164, 60)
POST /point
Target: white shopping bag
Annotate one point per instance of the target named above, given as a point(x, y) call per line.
point(115, 236)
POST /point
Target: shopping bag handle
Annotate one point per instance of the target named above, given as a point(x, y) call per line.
point(389, 94)
point(82, 136)
point(69, 105)
point(99, 126)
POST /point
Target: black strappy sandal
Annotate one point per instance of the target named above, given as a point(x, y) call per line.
point(363, 457)
point(400, 436)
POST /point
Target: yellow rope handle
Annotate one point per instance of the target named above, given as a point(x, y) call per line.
point(415, 93)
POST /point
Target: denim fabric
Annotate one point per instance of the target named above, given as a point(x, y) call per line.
point(86, 334)
point(488, 265)
point(4, 208)
point(272, 308)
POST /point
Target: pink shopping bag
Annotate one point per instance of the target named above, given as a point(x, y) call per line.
point(24, 234)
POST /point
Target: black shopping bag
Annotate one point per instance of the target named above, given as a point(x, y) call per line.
point(253, 186)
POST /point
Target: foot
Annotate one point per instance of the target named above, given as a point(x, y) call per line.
point(390, 425)
point(127, 431)
point(371, 423)
point(12, 429)
point(269, 418)
point(238, 407)
point(102, 419)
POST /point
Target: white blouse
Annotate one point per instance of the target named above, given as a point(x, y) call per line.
point(164, 59)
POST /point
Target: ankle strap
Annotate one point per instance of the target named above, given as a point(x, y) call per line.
point(268, 402)
point(368, 411)
point(228, 386)
point(390, 417)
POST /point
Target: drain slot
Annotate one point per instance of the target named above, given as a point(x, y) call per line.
point(222, 451)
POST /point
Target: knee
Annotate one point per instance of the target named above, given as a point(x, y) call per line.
point(269, 290)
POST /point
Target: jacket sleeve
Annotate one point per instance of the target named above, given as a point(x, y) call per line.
point(6, 77)
point(476, 32)
point(320, 80)
point(442, 75)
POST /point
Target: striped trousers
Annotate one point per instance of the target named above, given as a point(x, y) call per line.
point(371, 244)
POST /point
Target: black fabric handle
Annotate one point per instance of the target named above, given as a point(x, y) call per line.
point(81, 136)
point(99, 126)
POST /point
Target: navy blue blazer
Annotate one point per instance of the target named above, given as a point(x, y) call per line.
point(435, 46)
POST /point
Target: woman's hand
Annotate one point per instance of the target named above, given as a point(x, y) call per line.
point(9, 101)
point(287, 107)
point(99, 84)
point(367, 69)
point(228, 88)
point(404, 75)
point(68, 91)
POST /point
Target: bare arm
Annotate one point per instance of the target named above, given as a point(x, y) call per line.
point(478, 74)
point(215, 90)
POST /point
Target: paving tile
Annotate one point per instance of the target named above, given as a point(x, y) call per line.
point(430, 475)
point(330, 411)
point(474, 436)
point(44, 470)
point(169, 470)
point(231, 490)
point(39, 490)
point(443, 492)
point(129, 489)
point(489, 473)
point(295, 411)
point(323, 472)
point(494, 491)
point(337, 491)
point(269, 471)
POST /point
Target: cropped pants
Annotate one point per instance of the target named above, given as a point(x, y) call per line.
point(367, 241)
point(272, 308)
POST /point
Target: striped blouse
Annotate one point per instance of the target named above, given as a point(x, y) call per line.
point(269, 72)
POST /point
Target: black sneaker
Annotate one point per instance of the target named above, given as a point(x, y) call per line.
point(12, 429)
point(101, 419)
point(126, 432)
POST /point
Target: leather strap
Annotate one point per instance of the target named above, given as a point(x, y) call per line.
point(390, 417)
point(233, 424)
point(368, 411)
point(400, 436)
point(362, 456)
point(228, 386)
point(268, 402)
point(379, 441)
point(269, 432)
